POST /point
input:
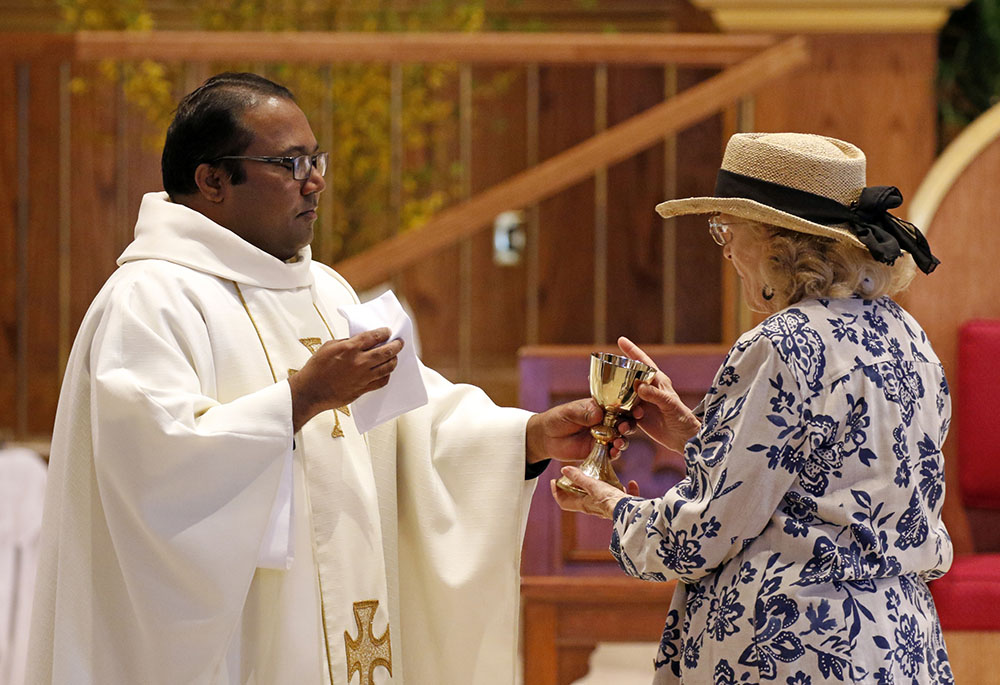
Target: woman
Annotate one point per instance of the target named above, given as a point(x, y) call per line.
point(809, 520)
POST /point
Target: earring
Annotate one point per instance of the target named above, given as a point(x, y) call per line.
point(767, 292)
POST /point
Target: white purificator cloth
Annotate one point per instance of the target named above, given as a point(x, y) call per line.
point(405, 390)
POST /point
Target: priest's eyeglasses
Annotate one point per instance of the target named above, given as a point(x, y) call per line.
point(301, 166)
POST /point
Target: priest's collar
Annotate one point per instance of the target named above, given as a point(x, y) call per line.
point(176, 233)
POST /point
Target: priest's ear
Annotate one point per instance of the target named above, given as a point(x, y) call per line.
point(213, 181)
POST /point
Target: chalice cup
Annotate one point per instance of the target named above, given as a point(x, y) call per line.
point(612, 385)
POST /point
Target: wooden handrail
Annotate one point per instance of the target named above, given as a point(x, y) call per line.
point(326, 47)
point(571, 166)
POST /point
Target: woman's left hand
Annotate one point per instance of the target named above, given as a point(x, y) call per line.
point(661, 415)
point(600, 498)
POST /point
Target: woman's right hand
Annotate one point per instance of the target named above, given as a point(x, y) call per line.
point(598, 498)
point(661, 415)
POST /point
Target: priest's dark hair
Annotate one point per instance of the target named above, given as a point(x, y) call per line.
point(208, 124)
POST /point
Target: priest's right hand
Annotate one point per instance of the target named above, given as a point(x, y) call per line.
point(341, 371)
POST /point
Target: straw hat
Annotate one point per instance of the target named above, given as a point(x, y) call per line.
point(816, 164)
point(812, 184)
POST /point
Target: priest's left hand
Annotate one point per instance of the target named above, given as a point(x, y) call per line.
point(563, 432)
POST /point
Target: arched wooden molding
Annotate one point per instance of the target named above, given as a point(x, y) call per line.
point(973, 139)
point(823, 16)
point(956, 207)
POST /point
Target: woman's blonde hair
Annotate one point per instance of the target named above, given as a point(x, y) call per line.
point(798, 266)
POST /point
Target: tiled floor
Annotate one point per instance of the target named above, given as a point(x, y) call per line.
point(621, 663)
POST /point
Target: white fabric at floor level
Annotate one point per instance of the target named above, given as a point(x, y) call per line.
point(22, 491)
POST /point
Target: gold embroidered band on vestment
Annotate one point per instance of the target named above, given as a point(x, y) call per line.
point(367, 652)
point(259, 337)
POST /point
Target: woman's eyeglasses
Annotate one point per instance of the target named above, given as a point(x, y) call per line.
point(720, 231)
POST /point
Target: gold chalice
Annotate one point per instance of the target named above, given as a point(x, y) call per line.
point(612, 385)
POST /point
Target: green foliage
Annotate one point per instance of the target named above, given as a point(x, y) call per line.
point(352, 108)
point(379, 181)
point(93, 15)
point(968, 66)
point(146, 84)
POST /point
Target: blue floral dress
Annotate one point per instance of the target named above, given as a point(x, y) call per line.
point(809, 520)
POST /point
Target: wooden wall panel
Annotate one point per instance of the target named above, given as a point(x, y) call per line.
point(635, 230)
point(42, 293)
point(497, 315)
point(8, 247)
point(432, 291)
point(566, 221)
point(876, 91)
point(433, 288)
point(699, 260)
point(568, 251)
point(139, 170)
point(94, 233)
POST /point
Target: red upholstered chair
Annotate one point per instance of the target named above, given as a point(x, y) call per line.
point(968, 597)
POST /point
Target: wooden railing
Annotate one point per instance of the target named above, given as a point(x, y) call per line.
point(573, 165)
point(324, 48)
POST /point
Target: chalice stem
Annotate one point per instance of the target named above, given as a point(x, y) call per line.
point(613, 386)
point(598, 462)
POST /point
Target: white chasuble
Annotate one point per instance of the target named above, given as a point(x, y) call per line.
point(188, 535)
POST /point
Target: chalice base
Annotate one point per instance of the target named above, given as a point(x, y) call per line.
point(596, 465)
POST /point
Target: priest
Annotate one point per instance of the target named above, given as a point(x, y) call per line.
point(213, 514)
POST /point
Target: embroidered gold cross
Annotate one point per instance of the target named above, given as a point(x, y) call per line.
point(313, 344)
point(367, 652)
